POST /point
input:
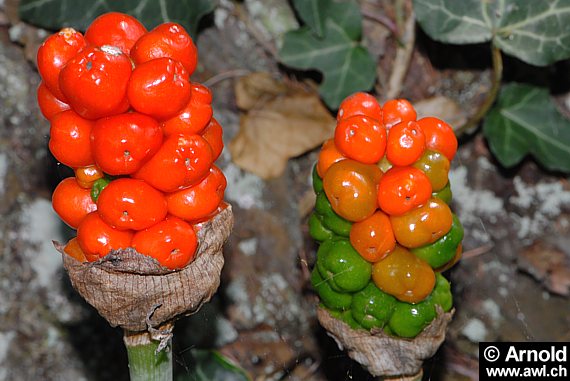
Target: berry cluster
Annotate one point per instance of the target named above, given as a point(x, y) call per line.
point(382, 218)
point(138, 134)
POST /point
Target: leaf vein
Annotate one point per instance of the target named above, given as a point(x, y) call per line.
point(527, 21)
point(537, 132)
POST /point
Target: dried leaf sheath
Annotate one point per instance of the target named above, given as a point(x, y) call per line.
point(384, 355)
point(127, 288)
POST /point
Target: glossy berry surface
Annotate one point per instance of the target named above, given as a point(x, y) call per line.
point(159, 88)
point(49, 104)
point(373, 237)
point(403, 275)
point(195, 116)
point(116, 29)
point(397, 111)
point(72, 202)
point(328, 155)
point(172, 242)
point(135, 131)
point(181, 161)
point(351, 188)
point(401, 189)
point(361, 138)
point(131, 204)
point(121, 144)
point(422, 225)
point(167, 40)
point(439, 136)
point(95, 80)
point(359, 104)
point(53, 55)
point(97, 238)
point(406, 143)
point(70, 139)
point(198, 202)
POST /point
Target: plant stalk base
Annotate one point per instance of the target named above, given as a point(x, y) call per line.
point(146, 362)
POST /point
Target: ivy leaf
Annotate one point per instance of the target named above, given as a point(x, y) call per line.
point(526, 121)
point(534, 31)
point(329, 43)
point(346, 14)
point(208, 365)
point(312, 14)
point(55, 14)
point(346, 66)
point(455, 22)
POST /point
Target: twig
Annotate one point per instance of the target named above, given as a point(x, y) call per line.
point(382, 19)
point(288, 367)
point(403, 57)
point(255, 32)
point(312, 370)
point(491, 96)
point(226, 75)
point(477, 251)
point(304, 265)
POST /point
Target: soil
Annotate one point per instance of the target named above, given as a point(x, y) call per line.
point(263, 315)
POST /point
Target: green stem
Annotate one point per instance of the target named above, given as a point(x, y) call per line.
point(145, 363)
point(491, 96)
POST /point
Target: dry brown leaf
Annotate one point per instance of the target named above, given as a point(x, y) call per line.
point(547, 264)
point(282, 122)
point(257, 88)
point(443, 108)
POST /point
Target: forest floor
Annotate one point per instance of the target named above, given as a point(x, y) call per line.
point(512, 284)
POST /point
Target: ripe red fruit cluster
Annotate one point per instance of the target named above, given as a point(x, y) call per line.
point(139, 135)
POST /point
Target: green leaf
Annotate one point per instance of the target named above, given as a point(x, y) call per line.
point(534, 31)
point(526, 121)
point(455, 22)
point(55, 14)
point(345, 14)
point(206, 365)
point(312, 13)
point(329, 43)
point(346, 66)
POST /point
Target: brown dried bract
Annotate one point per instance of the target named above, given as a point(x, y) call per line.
point(134, 292)
point(384, 355)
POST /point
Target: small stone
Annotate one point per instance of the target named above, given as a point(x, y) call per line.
point(475, 330)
